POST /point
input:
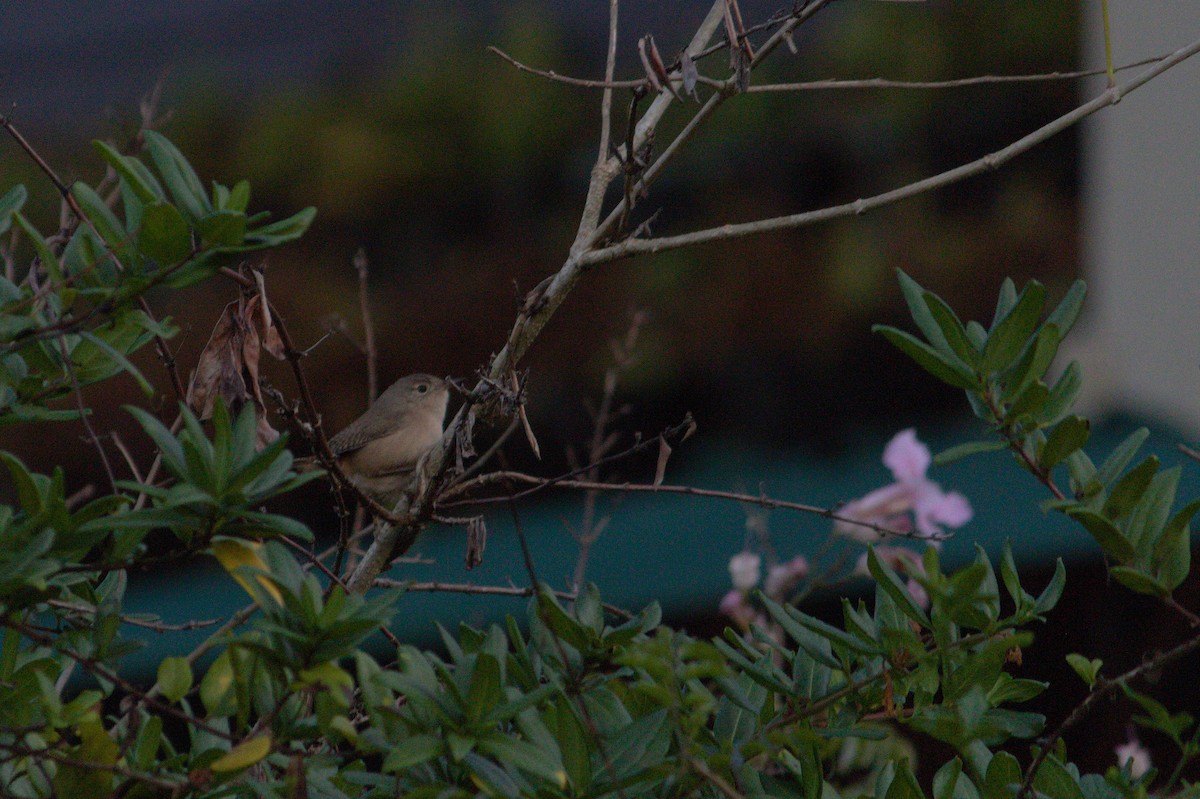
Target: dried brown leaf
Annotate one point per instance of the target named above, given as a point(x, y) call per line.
point(664, 455)
point(689, 74)
point(272, 342)
point(529, 436)
point(651, 73)
point(264, 434)
point(476, 541)
point(218, 370)
point(691, 429)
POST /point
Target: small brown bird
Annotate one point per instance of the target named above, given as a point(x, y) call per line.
point(379, 449)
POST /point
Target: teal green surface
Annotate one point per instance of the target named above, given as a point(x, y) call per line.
point(675, 549)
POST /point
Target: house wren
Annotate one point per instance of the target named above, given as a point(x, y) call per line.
point(379, 450)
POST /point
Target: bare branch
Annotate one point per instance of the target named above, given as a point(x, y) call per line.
point(549, 74)
point(988, 162)
point(610, 64)
point(362, 266)
point(979, 80)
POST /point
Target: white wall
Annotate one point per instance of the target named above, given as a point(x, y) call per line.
point(1139, 341)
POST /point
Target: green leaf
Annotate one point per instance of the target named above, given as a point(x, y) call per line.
point(1053, 591)
point(283, 231)
point(1067, 312)
point(175, 678)
point(168, 445)
point(1030, 401)
point(98, 213)
point(1083, 475)
point(1033, 363)
point(1148, 519)
point(244, 755)
point(217, 689)
point(960, 451)
point(1053, 779)
point(954, 372)
point(835, 636)
point(179, 176)
point(164, 234)
point(559, 622)
point(1009, 337)
point(149, 739)
point(904, 784)
point(28, 494)
point(946, 778)
point(12, 202)
point(1126, 494)
point(223, 228)
point(1068, 436)
point(810, 642)
point(485, 691)
point(525, 756)
point(239, 197)
point(1107, 535)
point(44, 253)
point(922, 315)
point(573, 743)
point(136, 182)
point(1120, 457)
point(1086, 669)
point(952, 330)
point(1173, 552)
point(890, 583)
point(1003, 771)
point(1139, 581)
point(1012, 582)
point(1062, 396)
point(1005, 300)
point(121, 361)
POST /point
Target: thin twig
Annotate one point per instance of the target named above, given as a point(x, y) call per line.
point(490, 590)
point(541, 483)
point(81, 406)
point(159, 627)
point(362, 267)
point(608, 83)
point(490, 452)
point(602, 443)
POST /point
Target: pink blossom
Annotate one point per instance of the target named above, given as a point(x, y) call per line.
point(745, 570)
point(735, 606)
point(1133, 754)
point(912, 493)
point(782, 577)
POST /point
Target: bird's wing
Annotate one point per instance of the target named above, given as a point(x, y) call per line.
point(357, 434)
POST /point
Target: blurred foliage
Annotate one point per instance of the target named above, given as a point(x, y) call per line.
point(463, 177)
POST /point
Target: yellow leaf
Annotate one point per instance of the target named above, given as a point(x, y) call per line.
point(236, 555)
point(244, 755)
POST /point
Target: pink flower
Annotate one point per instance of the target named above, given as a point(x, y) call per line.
point(745, 570)
point(911, 493)
point(782, 577)
point(1133, 754)
point(735, 606)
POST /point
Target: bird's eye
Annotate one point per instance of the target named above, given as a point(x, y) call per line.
point(422, 388)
